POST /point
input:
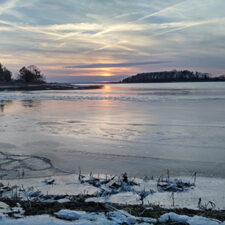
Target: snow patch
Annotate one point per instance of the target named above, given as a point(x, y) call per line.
point(111, 218)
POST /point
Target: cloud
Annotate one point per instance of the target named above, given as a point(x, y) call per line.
point(8, 5)
point(177, 26)
point(161, 11)
point(101, 65)
point(142, 35)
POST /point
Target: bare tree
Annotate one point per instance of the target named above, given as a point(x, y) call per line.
point(30, 74)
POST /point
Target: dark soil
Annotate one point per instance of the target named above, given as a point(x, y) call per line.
point(38, 208)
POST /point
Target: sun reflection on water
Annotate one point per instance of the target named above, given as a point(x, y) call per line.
point(107, 88)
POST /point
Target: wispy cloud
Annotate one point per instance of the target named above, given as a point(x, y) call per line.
point(7, 5)
point(161, 11)
point(173, 27)
point(101, 65)
point(144, 35)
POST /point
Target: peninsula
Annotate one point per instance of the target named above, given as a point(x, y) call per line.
point(31, 79)
point(172, 76)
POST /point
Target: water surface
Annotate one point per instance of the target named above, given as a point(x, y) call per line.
point(143, 129)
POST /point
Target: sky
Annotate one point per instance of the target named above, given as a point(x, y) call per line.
point(110, 39)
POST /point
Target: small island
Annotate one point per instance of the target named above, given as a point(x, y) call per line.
point(31, 79)
point(172, 76)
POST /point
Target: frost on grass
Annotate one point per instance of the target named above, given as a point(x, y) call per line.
point(205, 193)
point(109, 189)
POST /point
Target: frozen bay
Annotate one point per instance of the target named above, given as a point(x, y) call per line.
point(143, 129)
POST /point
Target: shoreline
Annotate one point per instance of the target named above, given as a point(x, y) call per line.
point(167, 82)
point(46, 86)
point(38, 165)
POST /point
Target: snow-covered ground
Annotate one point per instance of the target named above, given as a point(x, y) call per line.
point(111, 218)
point(100, 188)
point(167, 192)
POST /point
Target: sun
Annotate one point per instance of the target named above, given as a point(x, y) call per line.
point(105, 72)
point(106, 75)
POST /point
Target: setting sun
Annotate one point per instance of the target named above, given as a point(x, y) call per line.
point(106, 72)
point(106, 75)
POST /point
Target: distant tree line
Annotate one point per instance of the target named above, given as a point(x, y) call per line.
point(30, 74)
point(5, 74)
point(171, 76)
